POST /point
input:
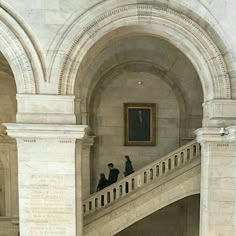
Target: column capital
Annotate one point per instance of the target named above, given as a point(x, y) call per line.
point(209, 135)
point(45, 109)
point(88, 141)
point(213, 135)
point(219, 113)
point(45, 131)
point(231, 137)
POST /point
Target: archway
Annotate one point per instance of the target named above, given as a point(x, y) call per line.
point(17, 46)
point(113, 77)
point(175, 23)
point(155, 20)
point(8, 157)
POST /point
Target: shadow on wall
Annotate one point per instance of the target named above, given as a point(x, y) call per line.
point(178, 219)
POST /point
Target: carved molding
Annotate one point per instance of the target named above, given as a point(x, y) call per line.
point(206, 135)
point(150, 15)
point(18, 59)
point(22, 51)
point(31, 132)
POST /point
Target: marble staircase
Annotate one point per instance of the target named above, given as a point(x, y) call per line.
point(168, 179)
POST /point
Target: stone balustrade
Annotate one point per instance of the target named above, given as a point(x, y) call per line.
point(142, 177)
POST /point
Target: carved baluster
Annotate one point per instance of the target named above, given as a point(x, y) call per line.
point(182, 158)
point(133, 184)
point(120, 190)
point(158, 170)
point(191, 152)
point(130, 188)
point(148, 176)
point(141, 179)
point(163, 167)
point(102, 200)
point(151, 174)
point(123, 188)
point(138, 181)
point(188, 153)
point(185, 155)
point(85, 208)
point(111, 193)
point(90, 206)
point(99, 202)
point(173, 162)
point(154, 172)
point(169, 164)
point(115, 194)
point(108, 197)
point(176, 161)
point(198, 149)
point(105, 198)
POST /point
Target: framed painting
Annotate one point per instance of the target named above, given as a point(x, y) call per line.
point(140, 124)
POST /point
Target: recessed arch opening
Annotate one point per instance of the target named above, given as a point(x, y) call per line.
point(79, 72)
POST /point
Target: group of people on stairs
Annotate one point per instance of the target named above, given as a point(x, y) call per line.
point(114, 173)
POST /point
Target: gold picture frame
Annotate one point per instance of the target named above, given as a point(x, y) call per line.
point(140, 124)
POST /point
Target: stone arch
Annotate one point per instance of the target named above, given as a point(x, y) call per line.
point(87, 98)
point(19, 50)
point(153, 19)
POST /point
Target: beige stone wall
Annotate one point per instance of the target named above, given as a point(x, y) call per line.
point(178, 219)
point(46, 18)
point(8, 154)
point(155, 57)
point(108, 122)
point(111, 79)
point(46, 24)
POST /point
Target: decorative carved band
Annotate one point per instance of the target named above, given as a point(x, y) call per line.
point(148, 13)
point(18, 59)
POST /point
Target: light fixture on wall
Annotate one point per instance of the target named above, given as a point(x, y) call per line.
point(140, 82)
point(223, 132)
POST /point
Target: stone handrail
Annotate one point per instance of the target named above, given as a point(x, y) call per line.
point(142, 177)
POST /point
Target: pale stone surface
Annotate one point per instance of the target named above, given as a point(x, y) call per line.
point(107, 122)
point(9, 211)
point(182, 218)
point(49, 43)
point(182, 183)
point(45, 109)
point(88, 143)
point(219, 113)
point(217, 182)
point(46, 192)
point(148, 56)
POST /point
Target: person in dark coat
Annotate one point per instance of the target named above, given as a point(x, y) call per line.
point(128, 167)
point(113, 175)
point(103, 182)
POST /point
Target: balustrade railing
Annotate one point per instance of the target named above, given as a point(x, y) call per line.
point(142, 177)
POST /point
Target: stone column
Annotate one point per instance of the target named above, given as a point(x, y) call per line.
point(218, 182)
point(86, 165)
point(46, 134)
point(46, 170)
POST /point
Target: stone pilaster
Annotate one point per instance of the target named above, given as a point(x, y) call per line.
point(46, 137)
point(46, 171)
point(219, 113)
point(218, 182)
point(86, 165)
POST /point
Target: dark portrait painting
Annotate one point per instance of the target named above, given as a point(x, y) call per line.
point(140, 124)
